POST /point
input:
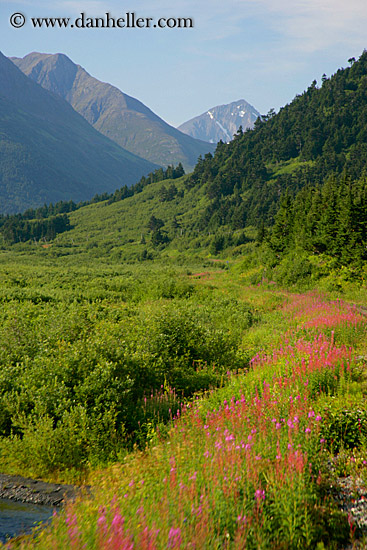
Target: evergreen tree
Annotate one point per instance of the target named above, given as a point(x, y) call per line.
point(282, 229)
point(154, 223)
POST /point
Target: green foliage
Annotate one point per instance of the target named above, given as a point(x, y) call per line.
point(50, 220)
point(320, 133)
point(331, 221)
point(86, 353)
point(15, 230)
point(345, 428)
point(294, 269)
point(68, 444)
point(320, 234)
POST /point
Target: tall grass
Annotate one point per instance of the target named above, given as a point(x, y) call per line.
point(244, 468)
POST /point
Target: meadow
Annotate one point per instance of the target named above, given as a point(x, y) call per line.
point(206, 412)
point(94, 357)
point(165, 344)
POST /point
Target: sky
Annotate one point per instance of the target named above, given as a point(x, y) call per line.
point(263, 51)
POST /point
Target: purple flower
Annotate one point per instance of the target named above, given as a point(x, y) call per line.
point(118, 520)
point(259, 495)
point(174, 538)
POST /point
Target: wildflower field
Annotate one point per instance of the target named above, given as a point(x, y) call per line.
point(245, 465)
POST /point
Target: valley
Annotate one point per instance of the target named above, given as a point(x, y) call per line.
point(193, 346)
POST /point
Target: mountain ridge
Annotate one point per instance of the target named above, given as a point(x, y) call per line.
point(318, 137)
point(49, 152)
point(118, 116)
point(220, 123)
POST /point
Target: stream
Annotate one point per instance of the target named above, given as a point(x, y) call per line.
point(17, 518)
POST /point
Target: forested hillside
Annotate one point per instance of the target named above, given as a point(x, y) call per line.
point(331, 219)
point(158, 345)
point(295, 184)
point(321, 132)
point(47, 221)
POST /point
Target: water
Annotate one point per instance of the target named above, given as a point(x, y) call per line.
point(18, 517)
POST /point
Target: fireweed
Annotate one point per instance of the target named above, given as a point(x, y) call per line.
point(245, 474)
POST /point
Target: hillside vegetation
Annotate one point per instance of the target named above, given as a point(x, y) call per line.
point(320, 133)
point(168, 347)
point(294, 185)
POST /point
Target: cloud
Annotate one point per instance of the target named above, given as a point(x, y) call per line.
point(303, 26)
point(312, 25)
point(308, 25)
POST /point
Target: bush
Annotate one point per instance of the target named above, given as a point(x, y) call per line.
point(294, 268)
point(345, 428)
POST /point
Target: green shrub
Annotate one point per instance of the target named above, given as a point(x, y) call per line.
point(345, 428)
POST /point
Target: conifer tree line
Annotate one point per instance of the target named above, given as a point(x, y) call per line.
point(329, 219)
point(16, 230)
point(321, 132)
point(47, 221)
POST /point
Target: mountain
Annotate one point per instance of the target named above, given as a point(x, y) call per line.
point(304, 167)
point(299, 176)
point(321, 133)
point(118, 116)
point(48, 152)
point(221, 122)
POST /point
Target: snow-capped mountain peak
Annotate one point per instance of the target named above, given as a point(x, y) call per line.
point(221, 122)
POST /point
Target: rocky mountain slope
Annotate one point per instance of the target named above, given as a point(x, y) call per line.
point(118, 116)
point(48, 152)
point(221, 122)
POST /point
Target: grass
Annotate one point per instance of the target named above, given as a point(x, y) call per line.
point(244, 466)
point(287, 167)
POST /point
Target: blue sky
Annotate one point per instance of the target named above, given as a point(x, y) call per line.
point(264, 51)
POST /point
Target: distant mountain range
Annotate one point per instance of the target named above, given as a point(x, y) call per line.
point(118, 116)
point(304, 167)
point(48, 152)
point(221, 122)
